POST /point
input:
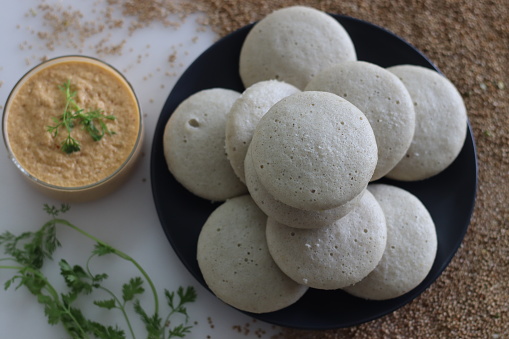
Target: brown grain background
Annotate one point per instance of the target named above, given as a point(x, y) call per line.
point(469, 42)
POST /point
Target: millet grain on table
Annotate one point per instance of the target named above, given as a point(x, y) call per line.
point(469, 42)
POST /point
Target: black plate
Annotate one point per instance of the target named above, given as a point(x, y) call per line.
point(448, 196)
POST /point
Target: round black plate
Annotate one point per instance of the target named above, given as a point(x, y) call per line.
point(448, 196)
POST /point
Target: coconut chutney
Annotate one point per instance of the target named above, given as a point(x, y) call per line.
point(37, 100)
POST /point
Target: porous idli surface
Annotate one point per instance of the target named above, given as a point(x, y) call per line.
point(411, 246)
point(288, 215)
point(293, 44)
point(245, 114)
point(335, 256)
point(314, 151)
point(382, 97)
point(441, 123)
point(236, 264)
point(193, 143)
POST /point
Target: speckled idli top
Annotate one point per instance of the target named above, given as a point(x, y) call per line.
point(411, 246)
point(441, 123)
point(235, 261)
point(293, 44)
point(335, 256)
point(288, 215)
point(245, 114)
point(314, 151)
point(382, 97)
point(193, 144)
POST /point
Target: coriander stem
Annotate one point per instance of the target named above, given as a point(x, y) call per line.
point(167, 320)
point(121, 306)
point(122, 309)
point(145, 275)
point(121, 255)
point(66, 110)
point(10, 267)
point(51, 290)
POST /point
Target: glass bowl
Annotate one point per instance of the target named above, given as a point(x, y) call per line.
point(34, 104)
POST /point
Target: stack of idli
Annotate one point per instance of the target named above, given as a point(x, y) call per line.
point(295, 159)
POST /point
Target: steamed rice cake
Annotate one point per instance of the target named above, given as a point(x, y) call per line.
point(245, 114)
point(335, 256)
point(193, 144)
point(314, 151)
point(235, 262)
point(382, 97)
point(411, 246)
point(441, 123)
point(288, 215)
point(293, 44)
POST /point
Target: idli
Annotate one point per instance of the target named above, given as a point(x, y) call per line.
point(411, 246)
point(314, 151)
point(193, 144)
point(382, 97)
point(335, 256)
point(293, 44)
point(441, 123)
point(244, 115)
point(288, 215)
point(236, 264)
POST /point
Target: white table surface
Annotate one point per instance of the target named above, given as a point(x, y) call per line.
point(127, 219)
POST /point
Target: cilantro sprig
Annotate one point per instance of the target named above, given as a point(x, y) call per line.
point(74, 115)
point(28, 252)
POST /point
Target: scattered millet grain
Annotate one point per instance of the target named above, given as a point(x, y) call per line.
point(172, 57)
point(210, 322)
point(65, 26)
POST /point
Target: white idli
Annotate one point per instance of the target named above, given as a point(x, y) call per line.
point(293, 44)
point(441, 124)
point(335, 256)
point(193, 143)
point(411, 246)
point(236, 264)
point(382, 97)
point(314, 151)
point(244, 115)
point(288, 215)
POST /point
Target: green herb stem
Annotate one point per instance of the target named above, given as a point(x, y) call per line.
point(10, 267)
point(119, 254)
point(51, 290)
point(121, 305)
